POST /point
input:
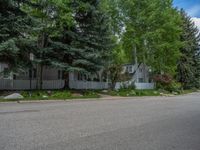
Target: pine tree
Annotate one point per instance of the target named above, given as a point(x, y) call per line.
point(15, 40)
point(188, 65)
point(91, 35)
point(73, 36)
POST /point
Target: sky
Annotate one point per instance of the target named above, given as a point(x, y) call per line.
point(192, 7)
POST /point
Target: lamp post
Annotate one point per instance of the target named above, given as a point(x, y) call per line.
point(31, 57)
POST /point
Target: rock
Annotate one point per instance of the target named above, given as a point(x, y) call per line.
point(77, 95)
point(14, 96)
point(155, 92)
point(49, 93)
point(105, 91)
point(175, 93)
point(44, 96)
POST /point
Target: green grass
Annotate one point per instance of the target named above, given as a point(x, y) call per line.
point(130, 92)
point(54, 95)
point(87, 94)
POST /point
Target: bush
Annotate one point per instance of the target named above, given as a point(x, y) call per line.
point(174, 87)
point(90, 94)
point(61, 94)
point(126, 86)
point(167, 83)
point(47, 94)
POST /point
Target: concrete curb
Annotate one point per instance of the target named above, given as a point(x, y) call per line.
point(80, 100)
point(91, 99)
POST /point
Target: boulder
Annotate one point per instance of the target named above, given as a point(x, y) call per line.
point(44, 96)
point(105, 91)
point(14, 96)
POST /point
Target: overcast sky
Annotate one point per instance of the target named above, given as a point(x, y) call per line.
point(192, 7)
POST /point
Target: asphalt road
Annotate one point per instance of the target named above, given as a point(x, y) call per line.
point(128, 124)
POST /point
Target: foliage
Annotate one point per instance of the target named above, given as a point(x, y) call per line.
point(90, 94)
point(43, 95)
point(131, 92)
point(87, 36)
point(128, 85)
point(68, 35)
point(116, 74)
point(163, 79)
point(188, 72)
point(15, 39)
point(61, 94)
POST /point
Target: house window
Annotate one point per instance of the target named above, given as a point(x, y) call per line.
point(63, 75)
point(34, 73)
point(130, 69)
point(59, 74)
point(30, 73)
point(14, 77)
point(141, 80)
point(141, 70)
point(6, 73)
point(79, 77)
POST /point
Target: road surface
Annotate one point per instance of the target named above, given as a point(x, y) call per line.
point(150, 123)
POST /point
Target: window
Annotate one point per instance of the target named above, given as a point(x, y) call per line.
point(14, 77)
point(141, 70)
point(130, 69)
point(59, 73)
point(6, 73)
point(63, 75)
point(141, 80)
point(30, 73)
point(34, 73)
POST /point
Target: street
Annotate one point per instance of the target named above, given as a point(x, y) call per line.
point(147, 123)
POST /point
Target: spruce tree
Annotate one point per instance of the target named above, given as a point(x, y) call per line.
point(91, 35)
point(188, 72)
point(15, 40)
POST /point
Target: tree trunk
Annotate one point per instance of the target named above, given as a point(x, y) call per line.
point(39, 82)
point(42, 42)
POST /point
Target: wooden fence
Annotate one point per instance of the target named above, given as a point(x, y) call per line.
point(88, 85)
point(7, 84)
point(138, 86)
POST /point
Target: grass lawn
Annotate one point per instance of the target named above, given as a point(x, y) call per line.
point(130, 93)
point(66, 94)
point(54, 95)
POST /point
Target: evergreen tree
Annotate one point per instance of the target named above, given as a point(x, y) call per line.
point(188, 72)
point(72, 36)
point(15, 40)
point(91, 35)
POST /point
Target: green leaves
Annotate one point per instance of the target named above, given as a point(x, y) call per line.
point(188, 72)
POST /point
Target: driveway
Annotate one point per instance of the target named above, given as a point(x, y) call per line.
point(150, 123)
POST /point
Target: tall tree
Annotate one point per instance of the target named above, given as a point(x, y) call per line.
point(152, 33)
point(188, 72)
point(15, 40)
point(92, 35)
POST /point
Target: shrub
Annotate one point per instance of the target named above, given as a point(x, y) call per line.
point(127, 86)
point(90, 94)
point(174, 87)
point(61, 94)
point(166, 82)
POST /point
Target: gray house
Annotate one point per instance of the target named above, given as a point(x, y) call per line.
point(52, 79)
point(140, 74)
point(56, 79)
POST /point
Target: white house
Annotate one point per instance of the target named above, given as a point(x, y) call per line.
point(56, 79)
point(52, 79)
point(140, 74)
